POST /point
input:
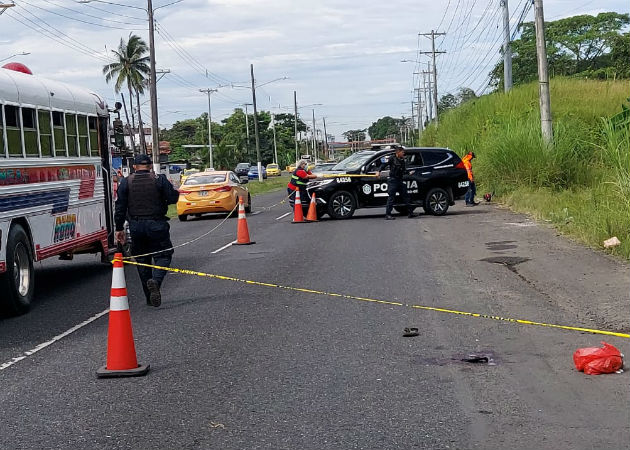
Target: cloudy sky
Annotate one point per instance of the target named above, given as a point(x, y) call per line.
point(345, 56)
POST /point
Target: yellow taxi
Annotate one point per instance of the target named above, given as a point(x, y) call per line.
point(273, 170)
point(186, 174)
point(290, 168)
point(211, 192)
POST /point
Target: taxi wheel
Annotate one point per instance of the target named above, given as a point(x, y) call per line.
point(436, 202)
point(341, 205)
point(183, 217)
point(248, 208)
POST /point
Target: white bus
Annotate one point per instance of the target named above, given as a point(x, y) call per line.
point(55, 183)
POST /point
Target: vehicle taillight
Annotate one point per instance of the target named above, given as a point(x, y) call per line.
point(460, 165)
point(223, 189)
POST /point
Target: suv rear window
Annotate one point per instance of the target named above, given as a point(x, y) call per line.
point(242, 166)
point(435, 157)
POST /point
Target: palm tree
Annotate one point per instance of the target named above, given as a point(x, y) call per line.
point(131, 68)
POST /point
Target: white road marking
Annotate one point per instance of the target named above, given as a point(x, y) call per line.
point(255, 213)
point(43, 345)
point(223, 248)
point(283, 216)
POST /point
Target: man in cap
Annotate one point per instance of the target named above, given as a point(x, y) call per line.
point(143, 199)
point(395, 183)
point(472, 189)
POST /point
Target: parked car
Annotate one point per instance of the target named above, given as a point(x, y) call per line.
point(211, 192)
point(290, 168)
point(323, 167)
point(242, 169)
point(253, 173)
point(435, 178)
point(273, 170)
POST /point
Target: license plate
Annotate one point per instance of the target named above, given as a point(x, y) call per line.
point(462, 184)
point(203, 193)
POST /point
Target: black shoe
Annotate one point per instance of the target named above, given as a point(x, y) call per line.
point(470, 204)
point(389, 217)
point(154, 292)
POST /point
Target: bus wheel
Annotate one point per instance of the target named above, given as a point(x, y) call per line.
point(19, 279)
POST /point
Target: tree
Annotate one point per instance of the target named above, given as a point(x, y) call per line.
point(354, 135)
point(465, 94)
point(579, 45)
point(384, 127)
point(447, 101)
point(130, 68)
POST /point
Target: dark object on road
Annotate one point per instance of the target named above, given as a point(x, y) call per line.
point(598, 360)
point(487, 197)
point(476, 359)
point(434, 178)
point(410, 332)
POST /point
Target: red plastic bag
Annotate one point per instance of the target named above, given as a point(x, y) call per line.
point(598, 360)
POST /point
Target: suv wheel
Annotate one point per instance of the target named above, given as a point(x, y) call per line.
point(436, 202)
point(341, 205)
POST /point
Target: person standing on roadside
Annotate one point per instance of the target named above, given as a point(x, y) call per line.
point(472, 189)
point(395, 183)
point(143, 199)
point(299, 180)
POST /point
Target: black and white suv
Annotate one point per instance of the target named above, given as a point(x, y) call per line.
point(435, 178)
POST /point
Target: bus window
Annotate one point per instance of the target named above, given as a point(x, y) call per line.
point(2, 153)
point(60, 134)
point(83, 136)
point(14, 137)
point(30, 132)
point(71, 133)
point(93, 136)
point(45, 133)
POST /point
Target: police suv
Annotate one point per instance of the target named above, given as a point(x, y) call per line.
point(435, 178)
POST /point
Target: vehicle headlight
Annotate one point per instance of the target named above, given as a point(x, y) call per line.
point(318, 184)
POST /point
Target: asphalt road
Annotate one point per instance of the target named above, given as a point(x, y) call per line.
point(241, 366)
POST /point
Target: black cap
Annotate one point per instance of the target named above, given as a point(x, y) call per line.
point(142, 160)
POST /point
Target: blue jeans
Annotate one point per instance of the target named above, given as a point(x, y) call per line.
point(148, 236)
point(470, 193)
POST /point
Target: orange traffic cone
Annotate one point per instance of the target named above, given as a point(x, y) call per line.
point(311, 216)
point(298, 214)
point(242, 232)
point(121, 352)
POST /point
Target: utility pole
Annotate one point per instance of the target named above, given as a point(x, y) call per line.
point(326, 139)
point(155, 132)
point(507, 49)
point(295, 111)
point(275, 148)
point(5, 6)
point(260, 174)
point(428, 92)
point(314, 138)
point(247, 128)
point(209, 92)
point(543, 74)
point(433, 53)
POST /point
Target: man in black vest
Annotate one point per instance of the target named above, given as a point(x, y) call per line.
point(143, 199)
point(395, 183)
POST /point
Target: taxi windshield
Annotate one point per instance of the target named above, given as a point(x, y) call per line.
point(355, 161)
point(205, 179)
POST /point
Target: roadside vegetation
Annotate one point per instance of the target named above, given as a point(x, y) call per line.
point(581, 184)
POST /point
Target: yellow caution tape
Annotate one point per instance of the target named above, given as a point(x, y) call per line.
point(383, 302)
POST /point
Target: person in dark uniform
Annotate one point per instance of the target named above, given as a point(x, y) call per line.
point(299, 180)
point(395, 183)
point(143, 199)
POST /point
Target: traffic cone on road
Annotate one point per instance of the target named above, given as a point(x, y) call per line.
point(121, 351)
point(298, 214)
point(311, 216)
point(242, 232)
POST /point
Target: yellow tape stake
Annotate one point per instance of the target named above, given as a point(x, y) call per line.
point(383, 302)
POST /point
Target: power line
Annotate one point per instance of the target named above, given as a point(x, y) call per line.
point(76, 11)
point(113, 13)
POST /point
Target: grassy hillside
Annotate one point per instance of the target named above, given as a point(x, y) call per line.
point(581, 184)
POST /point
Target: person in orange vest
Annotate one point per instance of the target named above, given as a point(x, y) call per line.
point(299, 180)
point(472, 189)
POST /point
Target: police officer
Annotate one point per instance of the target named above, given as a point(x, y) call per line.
point(299, 180)
point(143, 199)
point(395, 183)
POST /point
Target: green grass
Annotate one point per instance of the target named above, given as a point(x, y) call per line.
point(254, 187)
point(581, 185)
